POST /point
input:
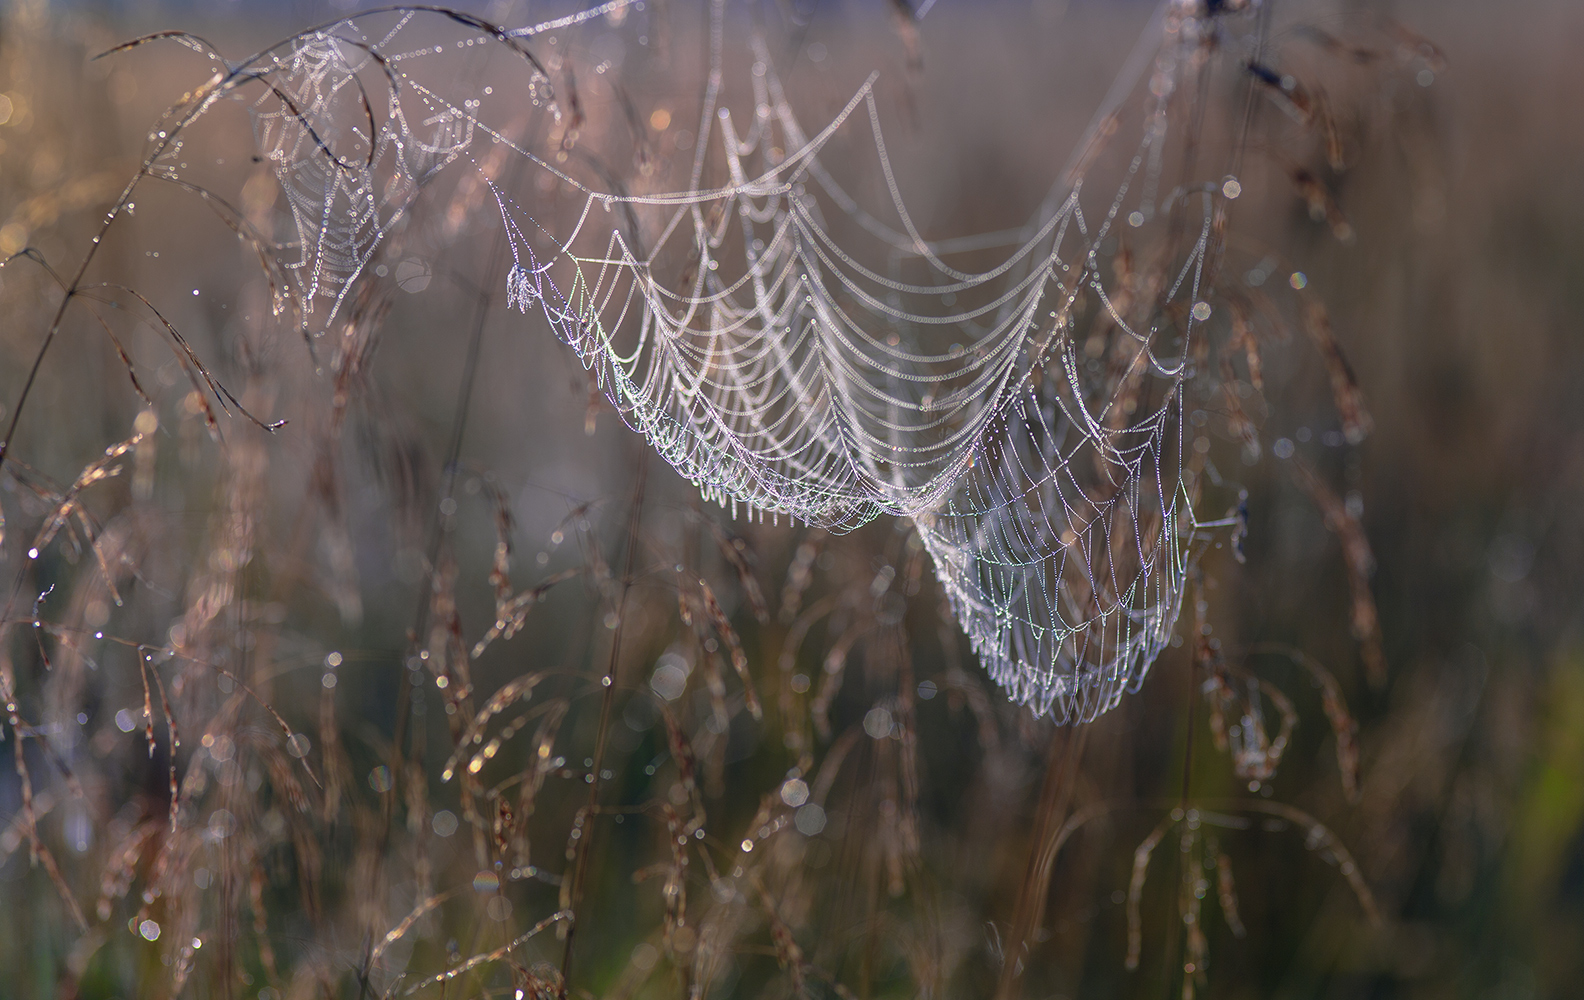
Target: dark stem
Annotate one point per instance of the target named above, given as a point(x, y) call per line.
point(607, 699)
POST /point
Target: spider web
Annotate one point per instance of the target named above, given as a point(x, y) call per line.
point(793, 352)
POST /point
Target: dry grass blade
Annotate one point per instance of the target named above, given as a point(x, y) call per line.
point(739, 658)
point(1190, 904)
point(1216, 689)
point(295, 741)
point(500, 565)
point(396, 933)
point(96, 472)
point(675, 887)
point(1416, 44)
point(576, 834)
point(737, 552)
point(1244, 336)
point(47, 859)
point(720, 721)
point(1256, 756)
point(197, 372)
point(1238, 421)
point(1360, 561)
point(800, 574)
point(1284, 91)
point(834, 668)
point(1226, 892)
point(799, 629)
point(1141, 860)
point(518, 690)
point(118, 873)
point(788, 955)
point(511, 613)
point(39, 852)
point(337, 766)
point(1344, 727)
point(1319, 838)
point(1356, 420)
point(543, 764)
point(171, 734)
point(492, 956)
point(684, 606)
point(687, 764)
point(1336, 153)
point(1321, 203)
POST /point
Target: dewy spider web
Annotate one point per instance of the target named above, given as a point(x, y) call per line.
point(790, 352)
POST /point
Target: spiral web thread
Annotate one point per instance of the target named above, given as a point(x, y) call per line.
point(1017, 395)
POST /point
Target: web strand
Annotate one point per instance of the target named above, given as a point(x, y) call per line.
point(1018, 396)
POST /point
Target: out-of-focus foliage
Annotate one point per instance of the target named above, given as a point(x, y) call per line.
point(379, 633)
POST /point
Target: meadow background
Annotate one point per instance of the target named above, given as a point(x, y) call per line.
point(314, 564)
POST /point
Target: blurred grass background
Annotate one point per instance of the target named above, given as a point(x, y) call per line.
point(1458, 304)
